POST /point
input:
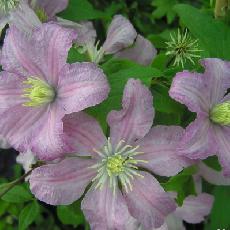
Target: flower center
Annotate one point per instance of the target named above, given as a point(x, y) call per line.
point(220, 113)
point(117, 164)
point(7, 5)
point(38, 91)
point(42, 15)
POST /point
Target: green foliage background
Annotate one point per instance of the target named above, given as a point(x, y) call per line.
point(155, 19)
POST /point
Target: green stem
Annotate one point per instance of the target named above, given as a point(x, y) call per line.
point(14, 183)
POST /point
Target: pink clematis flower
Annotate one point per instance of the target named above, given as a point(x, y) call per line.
point(120, 186)
point(29, 14)
point(38, 87)
point(46, 10)
point(193, 211)
point(206, 94)
point(122, 40)
point(194, 208)
point(18, 13)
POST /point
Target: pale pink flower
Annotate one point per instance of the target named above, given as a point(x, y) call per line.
point(119, 160)
point(29, 14)
point(207, 95)
point(122, 40)
point(38, 87)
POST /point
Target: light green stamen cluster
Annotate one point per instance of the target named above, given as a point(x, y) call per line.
point(220, 113)
point(7, 5)
point(42, 15)
point(38, 91)
point(117, 164)
point(182, 47)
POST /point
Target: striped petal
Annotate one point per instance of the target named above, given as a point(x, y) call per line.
point(159, 149)
point(142, 52)
point(195, 208)
point(84, 133)
point(136, 117)
point(222, 135)
point(81, 85)
point(148, 202)
point(43, 54)
point(199, 140)
point(61, 183)
point(104, 210)
point(121, 34)
point(213, 176)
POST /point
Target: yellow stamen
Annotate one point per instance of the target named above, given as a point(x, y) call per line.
point(220, 113)
point(38, 91)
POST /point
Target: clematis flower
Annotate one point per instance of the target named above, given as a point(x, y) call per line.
point(122, 40)
point(206, 94)
point(120, 187)
point(193, 211)
point(38, 87)
point(194, 208)
point(29, 14)
point(18, 13)
point(46, 10)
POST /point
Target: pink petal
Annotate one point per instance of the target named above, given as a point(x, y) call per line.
point(222, 135)
point(17, 55)
point(83, 133)
point(217, 78)
point(159, 148)
point(191, 89)
point(11, 89)
point(142, 52)
point(85, 30)
point(55, 42)
point(49, 142)
point(104, 210)
point(52, 7)
point(213, 176)
point(20, 124)
point(39, 129)
point(82, 85)
point(43, 54)
point(24, 18)
point(195, 208)
point(135, 119)
point(61, 183)
point(121, 34)
point(148, 202)
point(198, 141)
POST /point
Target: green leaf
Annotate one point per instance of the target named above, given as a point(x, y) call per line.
point(75, 56)
point(163, 102)
point(78, 10)
point(213, 34)
point(182, 183)
point(213, 162)
point(118, 72)
point(164, 8)
point(71, 214)
point(17, 194)
point(219, 217)
point(28, 215)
